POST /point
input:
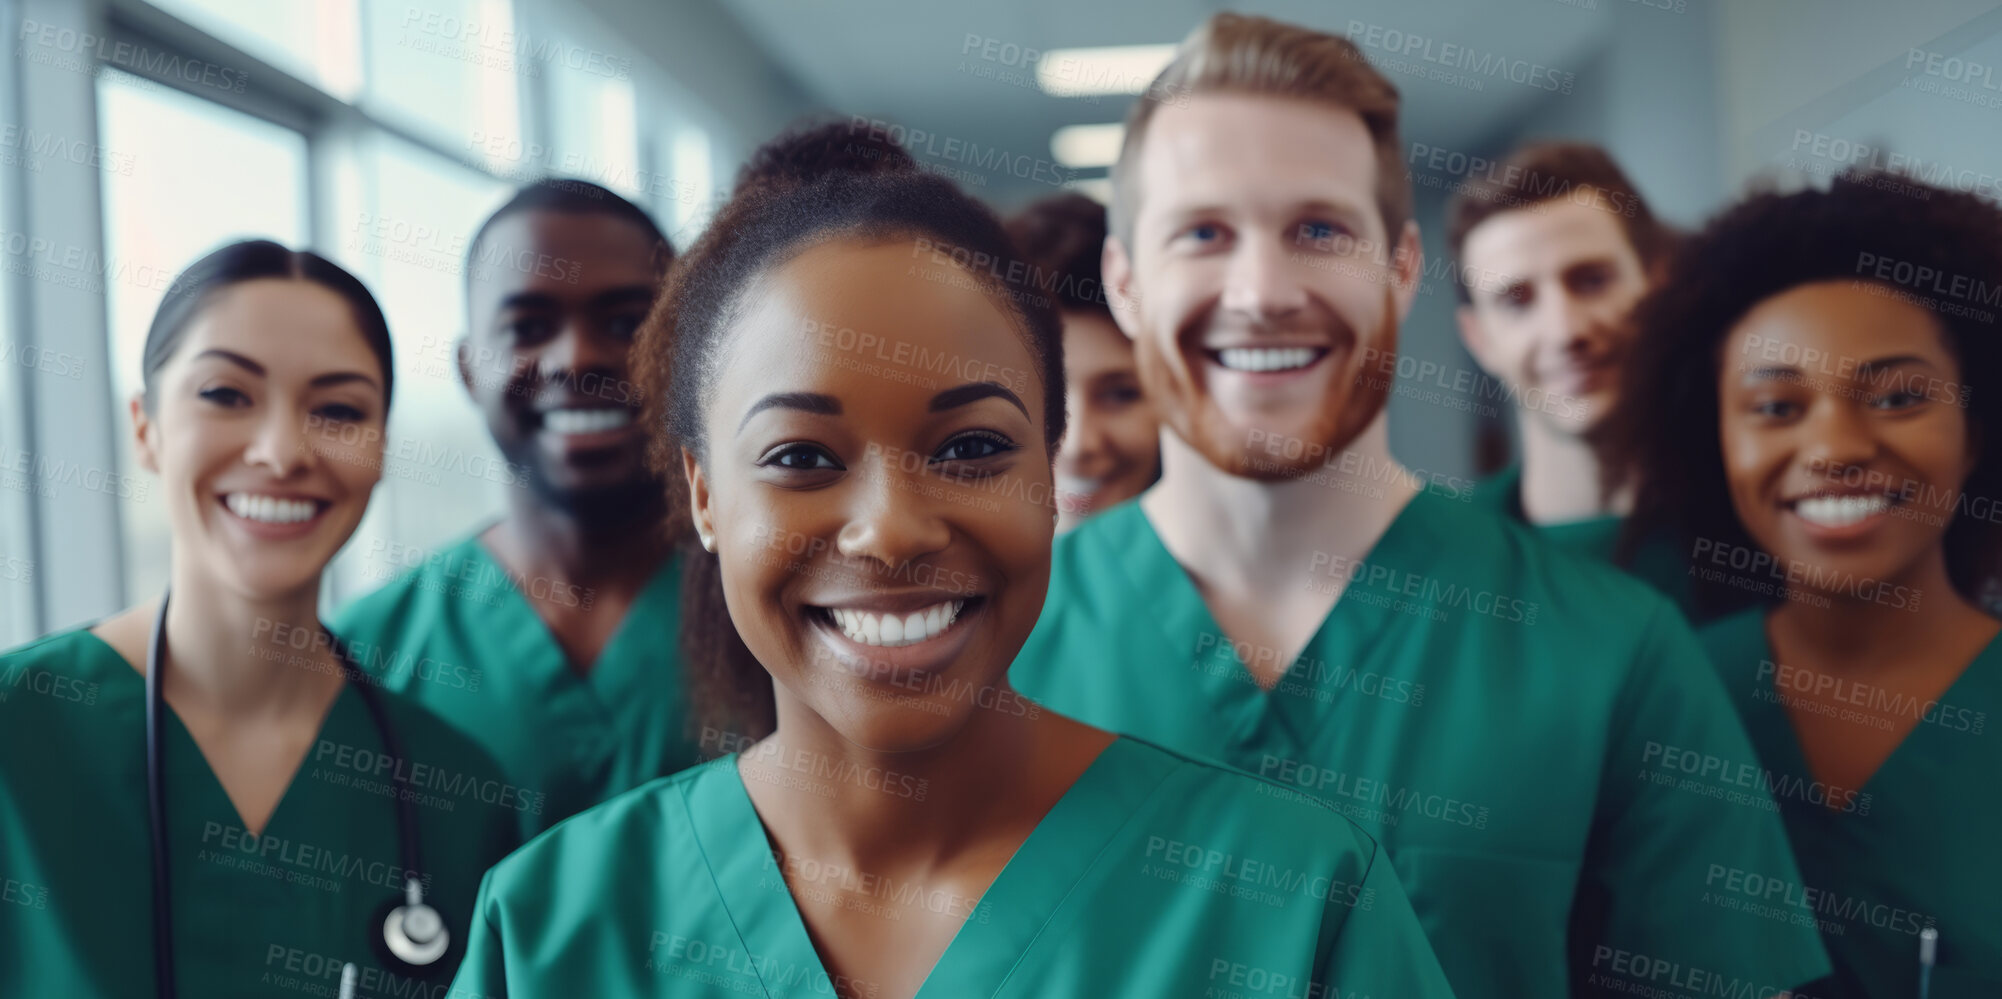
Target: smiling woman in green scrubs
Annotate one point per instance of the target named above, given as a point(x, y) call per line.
point(866, 414)
point(280, 841)
point(1819, 421)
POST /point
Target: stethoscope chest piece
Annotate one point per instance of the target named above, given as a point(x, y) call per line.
point(413, 932)
point(414, 936)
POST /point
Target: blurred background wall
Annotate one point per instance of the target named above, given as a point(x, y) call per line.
point(135, 135)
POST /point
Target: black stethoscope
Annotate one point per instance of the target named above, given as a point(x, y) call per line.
point(414, 935)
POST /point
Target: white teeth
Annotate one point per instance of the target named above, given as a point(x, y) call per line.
point(270, 509)
point(1078, 486)
point(1840, 511)
point(585, 421)
point(1266, 358)
point(890, 630)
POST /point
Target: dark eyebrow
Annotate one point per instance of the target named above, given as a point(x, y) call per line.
point(319, 381)
point(234, 358)
point(808, 402)
point(342, 378)
point(962, 395)
point(1601, 260)
point(632, 294)
point(1773, 372)
point(1868, 368)
point(527, 300)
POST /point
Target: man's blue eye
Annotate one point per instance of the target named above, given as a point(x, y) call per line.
point(1317, 230)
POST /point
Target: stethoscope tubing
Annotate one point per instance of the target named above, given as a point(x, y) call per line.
point(156, 788)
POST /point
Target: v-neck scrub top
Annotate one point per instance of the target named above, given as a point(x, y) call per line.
point(272, 914)
point(1154, 876)
point(1918, 844)
point(1656, 562)
point(458, 636)
point(1510, 721)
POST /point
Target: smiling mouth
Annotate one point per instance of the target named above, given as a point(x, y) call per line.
point(279, 510)
point(894, 630)
point(1264, 360)
point(1840, 511)
point(586, 421)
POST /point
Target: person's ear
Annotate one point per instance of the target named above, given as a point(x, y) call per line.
point(1116, 270)
point(698, 500)
point(1473, 335)
point(145, 433)
point(463, 355)
point(1407, 267)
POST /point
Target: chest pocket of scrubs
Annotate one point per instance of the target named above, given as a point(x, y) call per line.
point(1492, 918)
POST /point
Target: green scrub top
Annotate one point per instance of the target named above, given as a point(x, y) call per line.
point(1510, 721)
point(1154, 875)
point(1656, 562)
point(272, 914)
point(1915, 846)
point(458, 636)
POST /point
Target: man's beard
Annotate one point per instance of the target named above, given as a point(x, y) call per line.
point(1239, 451)
point(640, 500)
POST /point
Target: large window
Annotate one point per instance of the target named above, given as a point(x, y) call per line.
point(201, 175)
point(312, 39)
point(450, 70)
point(378, 133)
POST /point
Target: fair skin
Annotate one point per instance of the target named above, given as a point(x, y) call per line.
point(1112, 440)
point(1878, 427)
point(903, 497)
point(1256, 227)
point(272, 392)
point(554, 339)
point(1554, 286)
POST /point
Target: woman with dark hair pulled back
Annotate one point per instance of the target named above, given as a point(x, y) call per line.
point(866, 408)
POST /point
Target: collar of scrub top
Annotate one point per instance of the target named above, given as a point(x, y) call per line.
point(156, 812)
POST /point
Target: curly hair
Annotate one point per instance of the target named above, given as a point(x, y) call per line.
point(680, 351)
point(808, 151)
point(1665, 428)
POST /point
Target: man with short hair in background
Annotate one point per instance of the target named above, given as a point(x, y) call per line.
point(566, 612)
point(1554, 248)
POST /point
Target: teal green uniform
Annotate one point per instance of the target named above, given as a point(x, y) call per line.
point(1153, 876)
point(1656, 562)
point(458, 636)
point(273, 914)
point(1510, 721)
point(1915, 846)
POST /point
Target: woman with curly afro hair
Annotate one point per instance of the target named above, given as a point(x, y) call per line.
point(1805, 410)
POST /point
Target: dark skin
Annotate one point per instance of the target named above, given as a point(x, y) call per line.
point(910, 493)
point(1879, 418)
point(552, 324)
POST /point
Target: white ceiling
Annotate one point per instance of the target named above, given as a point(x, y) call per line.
point(905, 61)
